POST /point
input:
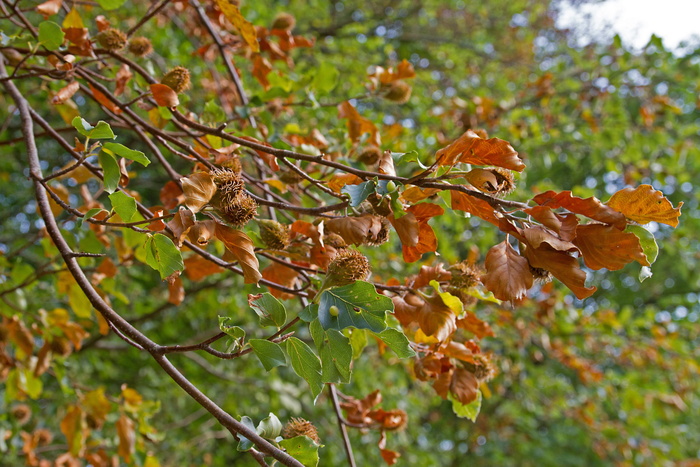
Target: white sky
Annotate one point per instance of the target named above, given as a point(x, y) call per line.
point(636, 20)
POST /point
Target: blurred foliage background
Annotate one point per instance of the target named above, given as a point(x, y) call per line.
point(611, 380)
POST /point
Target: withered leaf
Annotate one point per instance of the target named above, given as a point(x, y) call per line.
point(603, 246)
point(464, 386)
point(127, 437)
point(164, 95)
point(407, 228)
point(478, 207)
point(180, 225)
point(590, 207)
point(537, 235)
point(197, 268)
point(49, 8)
point(386, 164)
point(508, 274)
point(562, 266)
point(356, 230)
point(176, 291)
point(437, 319)
point(198, 189)
point(357, 124)
point(645, 204)
point(242, 248)
point(282, 275)
point(245, 28)
point(470, 148)
point(104, 100)
point(65, 93)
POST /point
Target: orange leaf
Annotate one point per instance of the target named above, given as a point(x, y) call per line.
point(65, 93)
point(197, 268)
point(269, 159)
point(645, 204)
point(181, 223)
point(590, 207)
point(123, 77)
point(464, 386)
point(339, 181)
point(562, 266)
point(307, 229)
point(478, 207)
point(358, 125)
point(472, 149)
point(390, 457)
point(282, 275)
point(198, 189)
point(413, 194)
point(425, 211)
point(407, 228)
point(242, 248)
point(508, 274)
point(429, 273)
point(407, 309)
point(603, 246)
point(474, 325)
point(357, 230)
point(262, 68)
point(245, 28)
point(164, 95)
point(49, 8)
point(127, 437)
point(171, 195)
point(545, 216)
point(537, 235)
point(427, 242)
point(104, 100)
point(176, 292)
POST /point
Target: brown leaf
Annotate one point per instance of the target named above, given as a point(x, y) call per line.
point(73, 428)
point(474, 325)
point(537, 235)
point(645, 204)
point(356, 230)
point(176, 292)
point(197, 268)
point(104, 100)
point(307, 229)
point(545, 216)
point(198, 189)
point(413, 194)
point(269, 159)
point(65, 93)
point(201, 232)
point(97, 406)
point(181, 223)
point(20, 335)
point(603, 246)
point(407, 228)
point(262, 68)
point(430, 273)
point(245, 28)
point(49, 8)
point(164, 95)
point(338, 181)
point(437, 319)
point(102, 23)
point(386, 164)
point(470, 148)
point(242, 248)
point(590, 207)
point(43, 359)
point(408, 309)
point(508, 274)
point(390, 457)
point(464, 386)
point(159, 225)
point(562, 266)
point(460, 351)
point(480, 208)
point(427, 242)
point(358, 125)
point(171, 195)
point(123, 77)
point(127, 437)
point(282, 275)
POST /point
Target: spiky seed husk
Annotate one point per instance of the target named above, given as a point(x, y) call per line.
point(369, 155)
point(178, 79)
point(467, 300)
point(273, 234)
point(240, 210)
point(300, 427)
point(284, 21)
point(61, 346)
point(233, 163)
point(334, 240)
point(397, 91)
point(42, 436)
point(483, 369)
point(541, 275)
point(381, 205)
point(112, 39)
point(506, 181)
point(347, 267)
point(229, 184)
point(140, 46)
point(21, 413)
point(465, 275)
point(382, 236)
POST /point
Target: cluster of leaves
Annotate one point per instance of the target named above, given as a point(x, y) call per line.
point(242, 156)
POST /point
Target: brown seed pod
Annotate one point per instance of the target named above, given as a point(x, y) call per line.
point(178, 79)
point(140, 46)
point(284, 21)
point(273, 234)
point(334, 240)
point(347, 267)
point(541, 275)
point(112, 39)
point(465, 275)
point(239, 210)
point(300, 427)
point(483, 369)
point(42, 436)
point(229, 184)
point(369, 155)
point(382, 236)
point(21, 413)
point(397, 91)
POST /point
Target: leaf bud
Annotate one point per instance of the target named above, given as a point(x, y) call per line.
point(300, 427)
point(273, 234)
point(140, 46)
point(177, 79)
point(112, 39)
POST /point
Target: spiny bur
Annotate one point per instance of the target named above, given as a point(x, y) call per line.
point(300, 427)
point(284, 21)
point(112, 39)
point(347, 267)
point(397, 91)
point(273, 234)
point(140, 46)
point(178, 79)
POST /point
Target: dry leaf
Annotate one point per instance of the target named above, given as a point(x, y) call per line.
point(470, 148)
point(198, 189)
point(562, 266)
point(358, 125)
point(645, 204)
point(197, 268)
point(603, 246)
point(508, 274)
point(127, 437)
point(164, 95)
point(65, 93)
point(356, 230)
point(180, 225)
point(464, 386)
point(104, 100)
point(480, 208)
point(386, 164)
point(589, 207)
point(245, 28)
point(176, 291)
point(49, 8)
point(242, 248)
point(282, 275)
point(123, 77)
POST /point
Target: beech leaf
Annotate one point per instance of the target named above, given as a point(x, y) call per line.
point(357, 305)
point(470, 148)
point(603, 246)
point(164, 95)
point(306, 364)
point(508, 274)
point(245, 28)
point(644, 204)
point(562, 266)
point(242, 248)
point(589, 207)
point(198, 189)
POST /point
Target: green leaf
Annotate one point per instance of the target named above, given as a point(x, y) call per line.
point(326, 78)
point(335, 351)
point(124, 205)
point(269, 353)
point(50, 35)
point(230, 329)
point(269, 427)
point(112, 174)
point(358, 342)
point(359, 193)
point(163, 256)
point(309, 313)
point(303, 449)
point(88, 215)
point(126, 153)
point(470, 411)
point(111, 4)
point(646, 240)
point(269, 309)
point(101, 131)
point(244, 444)
point(397, 341)
point(359, 305)
point(306, 364)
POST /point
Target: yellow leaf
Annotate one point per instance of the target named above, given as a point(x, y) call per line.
point(73, 20)
point(245, 28)
point(645, 204)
